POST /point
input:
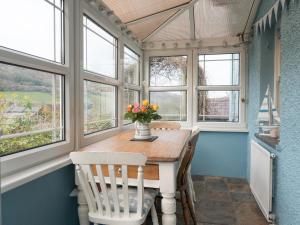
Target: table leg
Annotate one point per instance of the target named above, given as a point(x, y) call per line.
point(82, 205)
point(168, 207)
point(167, 182)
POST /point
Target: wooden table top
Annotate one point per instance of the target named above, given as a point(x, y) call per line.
point(166, 148)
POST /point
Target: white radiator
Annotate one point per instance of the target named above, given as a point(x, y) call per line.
point(261, 170)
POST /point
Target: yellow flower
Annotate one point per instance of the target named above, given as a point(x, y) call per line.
point(155, 107)
point(145, 102)
point(129, 108)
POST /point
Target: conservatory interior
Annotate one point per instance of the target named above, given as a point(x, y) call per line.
point(150, 112)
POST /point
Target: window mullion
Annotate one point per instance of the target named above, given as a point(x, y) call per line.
point(100, 79)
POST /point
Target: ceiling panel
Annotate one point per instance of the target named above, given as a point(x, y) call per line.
point(220, 18)
point(143, 29)
point(128, 10)
point(178, 29)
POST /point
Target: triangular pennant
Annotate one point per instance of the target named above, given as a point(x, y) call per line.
point(282, 3)
point(275, 7)
point(270, 14)
point(265, 18)
point(256, 27)
point(260, 25)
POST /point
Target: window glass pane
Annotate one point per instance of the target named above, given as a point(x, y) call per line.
point(218, 106)
point(130, 97)
point(100, 49)
point(31, 108)
point(223, 69)
point(131, 67)
point(99, 107)
point(172, 104)
point(33, 27)
point(168, 71)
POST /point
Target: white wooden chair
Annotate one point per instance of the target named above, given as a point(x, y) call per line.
point(109, 203)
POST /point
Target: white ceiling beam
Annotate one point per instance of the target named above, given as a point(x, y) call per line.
point(168, 21)
point(192, 23)
point(160, 13)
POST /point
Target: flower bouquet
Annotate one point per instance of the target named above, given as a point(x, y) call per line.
point(142, 115)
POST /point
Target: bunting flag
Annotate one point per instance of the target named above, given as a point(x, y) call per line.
point(261, 24)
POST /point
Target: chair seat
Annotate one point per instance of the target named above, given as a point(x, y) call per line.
point(149, 198)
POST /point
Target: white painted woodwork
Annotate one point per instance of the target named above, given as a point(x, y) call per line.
point(261, 178)
point(112, 205)
point(166, 185)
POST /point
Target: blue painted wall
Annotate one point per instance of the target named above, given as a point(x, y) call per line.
point(221, 154)
point(287, 180)
point(44, 201)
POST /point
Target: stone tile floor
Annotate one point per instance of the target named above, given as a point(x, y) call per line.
point(222, 201)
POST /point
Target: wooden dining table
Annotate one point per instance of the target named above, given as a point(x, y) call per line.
point(164, 156)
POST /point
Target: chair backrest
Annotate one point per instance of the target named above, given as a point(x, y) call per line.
point(165, 125)
point(187, 158)
point(86, 161)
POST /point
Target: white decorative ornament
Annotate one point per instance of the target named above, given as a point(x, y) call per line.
point(275, 7)
point(270, 17)
point(265, 18)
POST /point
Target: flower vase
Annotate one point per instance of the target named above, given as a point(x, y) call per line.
point(142, 131)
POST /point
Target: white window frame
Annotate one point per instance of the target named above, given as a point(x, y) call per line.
point(18, 168)
point(187, 87)
point(83, 8)
point(192, 86)
point(221, 126)
point(132, 87)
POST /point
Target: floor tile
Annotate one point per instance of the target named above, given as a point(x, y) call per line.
point(215, 212)
point(239, 187)
point(216, 185)
point(221, 201)
point(198, 178)
point(242, 197)
point(232, 180)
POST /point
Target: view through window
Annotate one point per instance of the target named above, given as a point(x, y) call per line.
point(34, 27)
point(31, 108)
point(218, 88)
point(99, 107)
point(100, 49)
point(169, 72)
point(131, 78)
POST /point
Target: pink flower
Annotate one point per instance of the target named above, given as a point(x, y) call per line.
point(136, 105)
point(135, 110)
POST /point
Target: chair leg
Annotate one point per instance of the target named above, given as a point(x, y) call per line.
point(154, 216)
point(191, 208)
point(191, 185)
point(185, 207)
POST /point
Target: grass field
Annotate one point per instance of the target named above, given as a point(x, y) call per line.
point(35, 97)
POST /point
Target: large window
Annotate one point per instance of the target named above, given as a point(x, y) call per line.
point(32, 108)
point(99, 107)
point(100, 49)
point(194, 88)
point(130, 97)
point(34, 27)
point(131, 67)
point(131, 73)
point(173, 104)
point(218, 88)
point(168, 85)
point(168, 71)
point(100, 85)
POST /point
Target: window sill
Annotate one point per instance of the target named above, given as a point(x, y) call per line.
point(221, 129)
point(17, 179)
